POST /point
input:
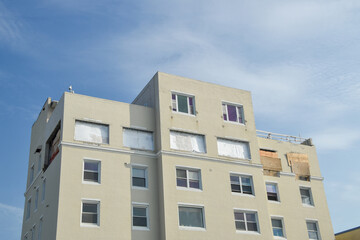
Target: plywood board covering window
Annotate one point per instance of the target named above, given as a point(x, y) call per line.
point(299, 163)
point(91, 132)
point(233, 148)
point(187, 142)
point(270, 161)
point(138, 139)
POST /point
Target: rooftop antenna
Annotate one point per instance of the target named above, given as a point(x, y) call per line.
point(71, 90)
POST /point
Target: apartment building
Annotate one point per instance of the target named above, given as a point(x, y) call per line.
point(182, 161)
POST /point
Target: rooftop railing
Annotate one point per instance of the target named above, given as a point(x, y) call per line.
point(283, 137)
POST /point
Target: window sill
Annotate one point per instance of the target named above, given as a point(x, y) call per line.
point(189, 189)
point(185, 114)
point(91, 183)
point(141, 228)
point(272, 201)
point(242, 194)
point(192, 228)
point(308, 205)
point(139, 188)
point(89, 225)
point(247, 232)
point(280, 238)
point(236, 123)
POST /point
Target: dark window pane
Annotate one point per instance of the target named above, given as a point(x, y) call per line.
point(92, 166)
point(247, 189)
point(232, 113)
point(194, 184)
point(240, 225)
point(276, 223)
point(272, 196)
point(140, 221)
point(91, 176)
point(234, 179)
point(311, 226)
point(191, 217)
point(182, 103)
point(235, 188)
point(252, 227)
point(313, 235)
point(139, 212)
point(181, 173)
point(239, 216)
point(278, 232)
point(181, 182)
point(240, 111)
point(89, 207)
point(173, 96)
point(89, 218)
point(250, 217)
point(139, 182)
point(136, 172)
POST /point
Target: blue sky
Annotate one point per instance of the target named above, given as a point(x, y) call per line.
point(300, 60)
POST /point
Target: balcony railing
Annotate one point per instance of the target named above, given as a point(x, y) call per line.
point(283, 137)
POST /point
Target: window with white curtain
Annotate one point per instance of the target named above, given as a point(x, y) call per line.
point(91, 132)
point(139, 139)
point(233, 148)
point(190, 216)
point(187, 142)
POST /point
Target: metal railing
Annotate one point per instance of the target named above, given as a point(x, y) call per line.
point(283, 137)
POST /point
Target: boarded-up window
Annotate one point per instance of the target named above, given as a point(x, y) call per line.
point(138, 139)
point(299, 163)
point(187, 142)
point(270, 161)
point(232, 148)
point(91, 132)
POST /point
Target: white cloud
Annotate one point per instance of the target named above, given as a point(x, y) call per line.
point(10, 26)
point(337, 138)
point(11, 221)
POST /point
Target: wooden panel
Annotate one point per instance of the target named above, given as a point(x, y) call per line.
point(267, 153)
point(273, 164)
point(301, 168)
point(297, 157)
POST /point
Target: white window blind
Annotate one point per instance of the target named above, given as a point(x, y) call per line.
point(91, 132)
point(138, 139)
point(187, 142)
point(231, 148)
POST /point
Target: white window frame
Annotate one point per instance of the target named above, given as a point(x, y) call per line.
point(32, 174)
point(191, 205)
point(36, 203)
point(239, 175)
point(312, 204)
point(277, 191)
point(95, 123)
point(145, 168)
point(237, 105)
point(283, 226)
point(187, 169)
point(140, 205)
point(92, 201)
point(188, 103)
point(240, 210)
point(39, 163)
point(41, 222)
point(317, 227)
point(33, 231)
point(99, 171)
point(43, 191)
point(233, 140)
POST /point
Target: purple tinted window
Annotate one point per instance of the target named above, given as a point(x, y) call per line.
point(232, 113)
point(190, 101)
point(173, 97)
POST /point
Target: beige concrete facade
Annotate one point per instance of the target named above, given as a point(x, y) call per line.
point(60, 213)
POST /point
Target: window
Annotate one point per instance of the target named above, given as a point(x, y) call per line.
point(246, 221)
point(91, 132)
point(92, 171)
point(39, 163)
point(28, 208)
point(188, 178)
point(313, 232)
point(191, 216)
point(233, 148)
point(33, 232)
point(139, 176)
point(31, 174)
point(277, 227)
point(138, 139)
point(43, 190)
point(52, 145)
point(140, 216)
point(36, 199)
point(272, 191)
point(306, 197)
point(241, 184)
point(183, 103)
point(187, 142)
point(40, 228)
point(90, 212)
point(233, 113)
